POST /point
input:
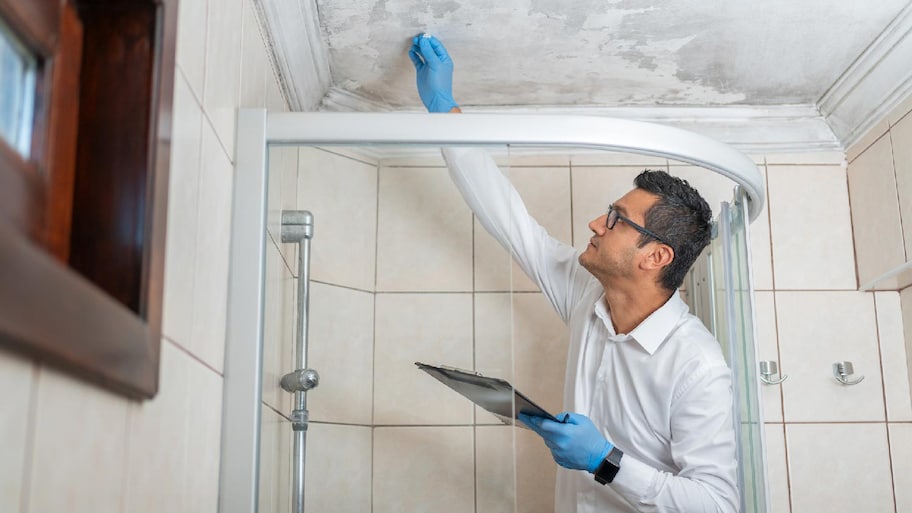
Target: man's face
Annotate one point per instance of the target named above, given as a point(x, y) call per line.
point(613, 253)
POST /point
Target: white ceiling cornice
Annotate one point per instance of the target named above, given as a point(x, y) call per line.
point(874, 84)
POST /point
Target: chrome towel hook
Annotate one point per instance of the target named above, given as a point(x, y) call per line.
point(767, 370)
point(842, 370)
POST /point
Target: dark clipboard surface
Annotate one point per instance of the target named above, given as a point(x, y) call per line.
point(493, 394)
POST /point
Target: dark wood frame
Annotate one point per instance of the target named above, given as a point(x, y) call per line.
point(82, 220)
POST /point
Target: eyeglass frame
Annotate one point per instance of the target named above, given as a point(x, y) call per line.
point(617, 215)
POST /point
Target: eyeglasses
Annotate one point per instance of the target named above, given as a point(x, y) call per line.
point(612, 219)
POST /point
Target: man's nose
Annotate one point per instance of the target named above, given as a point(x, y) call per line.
point(597, 225)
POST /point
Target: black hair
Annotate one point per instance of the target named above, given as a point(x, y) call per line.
point(681, 216)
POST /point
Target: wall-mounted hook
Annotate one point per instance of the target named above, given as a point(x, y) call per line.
point(842, 370)
point(767, 370)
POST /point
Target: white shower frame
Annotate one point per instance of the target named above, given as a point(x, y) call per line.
point(257, 130)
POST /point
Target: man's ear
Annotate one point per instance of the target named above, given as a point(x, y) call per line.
point(659, 256)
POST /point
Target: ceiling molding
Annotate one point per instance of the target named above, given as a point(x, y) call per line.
point(295, 41)
point(873, 85)
point(751, 129)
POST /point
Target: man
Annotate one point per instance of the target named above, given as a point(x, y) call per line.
point(649, 383)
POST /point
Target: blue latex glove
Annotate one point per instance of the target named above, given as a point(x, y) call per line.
point(435, 73)
point(575, 443)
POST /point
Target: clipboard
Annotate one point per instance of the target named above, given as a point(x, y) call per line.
point(493, 394)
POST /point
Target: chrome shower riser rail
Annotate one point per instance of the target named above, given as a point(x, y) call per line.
point(256, 131)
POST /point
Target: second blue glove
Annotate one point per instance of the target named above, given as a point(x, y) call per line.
point(575, 443)
point(434, 69)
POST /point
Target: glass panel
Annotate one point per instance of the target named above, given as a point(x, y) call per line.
point(17, 103)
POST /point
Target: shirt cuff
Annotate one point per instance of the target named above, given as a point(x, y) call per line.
point(634, 480)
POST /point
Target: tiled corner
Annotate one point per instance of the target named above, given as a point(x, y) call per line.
point(338, 472)
point(223, 68)
point(424, 469)
point(341, 349)
point(183, 209)
point(210, 287)
point(16, 381)
point(593, 189)
point(275, 462)
point(893, 357)
point(341, 193)
point(531, 354)
point(429, 328)
point(776, 469)
point(901, 137)
point(901, 111)
point(866, 140)
point(811, 233)
point(191, 42)
point(254, 61)
point(768, 349)
point(282, 194)
point(424, 232)
point(157, 443)
point(901, 451)
point(278, 328)
point(875, 212)
point(817, 329)
point(546, 195)
point(822, 482)
point(85, 471)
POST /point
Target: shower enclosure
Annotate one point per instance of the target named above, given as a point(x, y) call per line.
point(402, 273)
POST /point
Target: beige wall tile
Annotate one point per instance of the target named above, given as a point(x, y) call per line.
point(183, 209)
point(156, 454)
point(342, 195)
point(495, 468)
point(532, 355)
point(213, 244)
point(901, 137)
point(893, 357)
point(430, 328)
point(805, 158)
point(79, 442)
point(760, 246)
point(811, 228)
point(191, 42)
point(905, 300)
point(275, 463)
point(338, 472)
point(608, 158)
point(16, 381)
point(536, 473)
point(875, 212)
point(424, 469)
point(546, 194)
point(278, 328)
point(594, 188)
point(282, 195)
point(777, 471)
point(901, 111)
point(820, 484)
point(901, 451)
point(341, 349)
point(424, 232)
point(203, 434)
point(768, 349)
point(817, 329)
point(254, 61)
point(223, 68)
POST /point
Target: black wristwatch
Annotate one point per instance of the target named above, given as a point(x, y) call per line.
point(609, 467)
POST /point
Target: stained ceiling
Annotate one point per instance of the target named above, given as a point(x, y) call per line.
point(605, 52)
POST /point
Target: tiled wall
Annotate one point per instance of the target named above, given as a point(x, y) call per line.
point(443, 293)
point(70, 446)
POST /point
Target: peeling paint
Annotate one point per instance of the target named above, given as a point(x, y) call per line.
point(597, 52)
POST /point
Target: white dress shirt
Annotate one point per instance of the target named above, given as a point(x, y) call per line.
point(661, 393)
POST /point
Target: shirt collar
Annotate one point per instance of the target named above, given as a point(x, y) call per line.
point(650, 333)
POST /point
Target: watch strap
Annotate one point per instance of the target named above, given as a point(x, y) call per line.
point(609, 467)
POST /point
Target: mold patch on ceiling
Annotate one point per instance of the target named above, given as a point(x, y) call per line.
point(605, 53)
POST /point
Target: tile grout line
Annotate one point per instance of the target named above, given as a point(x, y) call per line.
point(883, 390)
point(373, 430)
